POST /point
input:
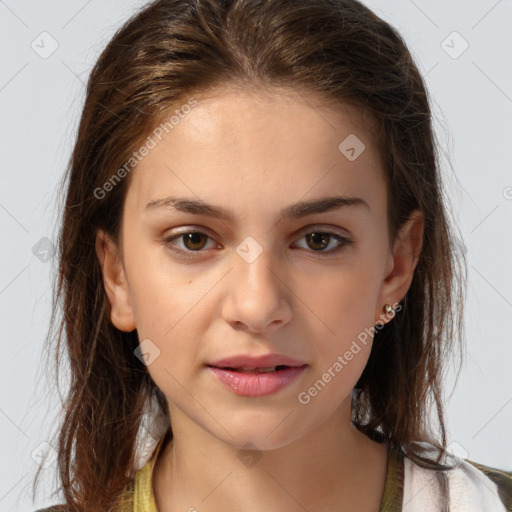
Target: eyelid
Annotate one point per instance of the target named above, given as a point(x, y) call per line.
point(325, 228)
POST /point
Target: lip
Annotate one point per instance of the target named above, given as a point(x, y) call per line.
point(244, 361)
point(257, 384)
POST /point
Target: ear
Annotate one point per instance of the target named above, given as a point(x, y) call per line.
point(114, 280)
point(401, 264)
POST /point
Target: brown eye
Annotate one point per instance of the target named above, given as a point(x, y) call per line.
point(187, 244)
point(193, 241)
point(317, 240)
point(190, 244)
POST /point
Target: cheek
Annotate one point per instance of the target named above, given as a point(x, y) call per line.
point(175, 332)
point(160, 293)
point(341, 359)
point(344, 336)
point(345, 301)
point(172, 319)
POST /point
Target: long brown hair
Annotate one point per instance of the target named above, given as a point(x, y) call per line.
point(166, 53)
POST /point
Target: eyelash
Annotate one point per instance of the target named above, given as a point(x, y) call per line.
point(188, 254)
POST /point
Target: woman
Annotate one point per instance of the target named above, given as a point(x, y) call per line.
point(255, 241)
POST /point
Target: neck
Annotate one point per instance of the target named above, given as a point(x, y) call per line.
point(335, 467)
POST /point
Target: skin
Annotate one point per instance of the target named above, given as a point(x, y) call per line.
point(254, 153)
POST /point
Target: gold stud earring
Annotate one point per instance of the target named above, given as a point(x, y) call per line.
point(388, 309)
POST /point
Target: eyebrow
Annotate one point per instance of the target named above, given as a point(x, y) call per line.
point(293, 211)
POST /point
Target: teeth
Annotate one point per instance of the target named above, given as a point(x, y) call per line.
point(257, 370)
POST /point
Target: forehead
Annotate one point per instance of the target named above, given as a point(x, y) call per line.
point(261, 143)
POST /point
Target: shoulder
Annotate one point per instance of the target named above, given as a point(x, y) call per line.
point(470, 486)
point(501, 482)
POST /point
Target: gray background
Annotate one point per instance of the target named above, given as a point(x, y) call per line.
point(40, 101)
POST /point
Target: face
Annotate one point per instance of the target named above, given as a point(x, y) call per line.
point(304, 285)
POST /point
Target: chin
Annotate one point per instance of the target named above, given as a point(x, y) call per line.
point(270, 435)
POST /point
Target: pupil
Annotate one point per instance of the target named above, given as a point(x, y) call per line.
point(193, 238)
point(318, 238)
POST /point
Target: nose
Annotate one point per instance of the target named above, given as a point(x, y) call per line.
point(258, 294)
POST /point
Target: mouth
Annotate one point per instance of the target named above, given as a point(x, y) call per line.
point(255, 370)
point(257, 381)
